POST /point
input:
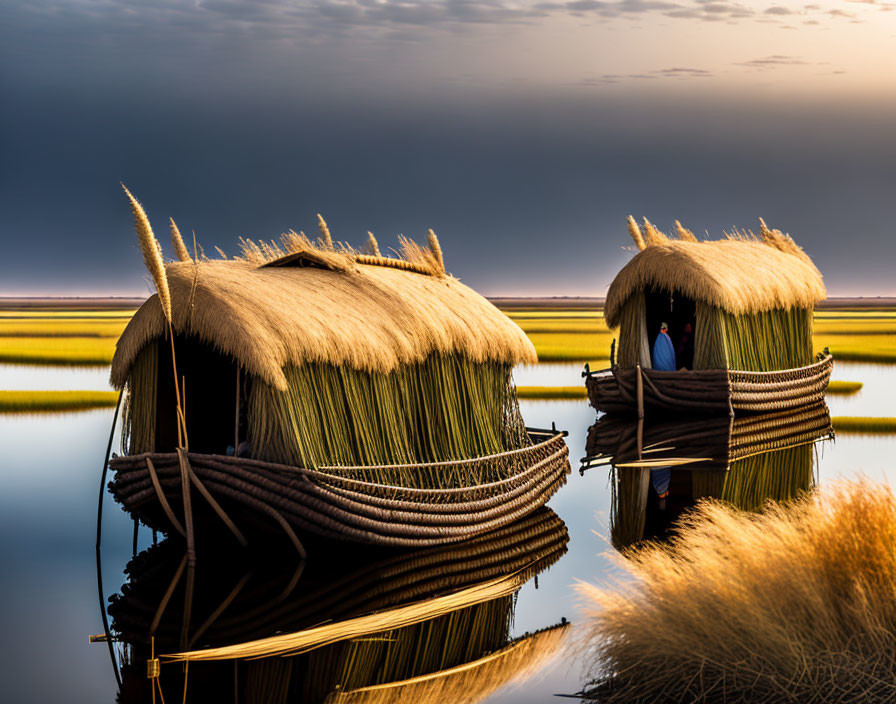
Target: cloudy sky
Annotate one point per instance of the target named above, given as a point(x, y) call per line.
point(522, 132)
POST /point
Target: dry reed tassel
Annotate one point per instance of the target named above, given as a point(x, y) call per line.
point(436, 249)
point(152, 257)
point(152, 253)
point(326, 239)
point(180, 249)
point(684, 234)
point(635, 232)
point(654, 236)
point(373, 245)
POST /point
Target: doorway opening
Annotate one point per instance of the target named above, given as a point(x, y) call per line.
point(680, 313)
point(210, 388)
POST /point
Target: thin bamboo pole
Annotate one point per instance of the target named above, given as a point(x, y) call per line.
point(99, 540)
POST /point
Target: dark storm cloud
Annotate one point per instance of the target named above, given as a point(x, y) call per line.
point(247, 119)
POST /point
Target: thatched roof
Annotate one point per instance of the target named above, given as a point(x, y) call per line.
point(741, 274)
point(360, 311)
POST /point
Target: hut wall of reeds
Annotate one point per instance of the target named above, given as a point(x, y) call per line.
point(637, 513)
point(748, 299)
point(323, 356)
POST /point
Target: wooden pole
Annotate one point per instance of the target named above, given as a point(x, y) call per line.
point(640, 391)
point(188, 505)
point(236, 420)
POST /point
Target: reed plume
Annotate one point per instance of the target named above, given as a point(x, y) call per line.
point(326, 239)
point(152, 253)
point(635, 232)
point(373, 246)
point(436, 249)
point(654, 237)
point(180, 249)
point(684, 234)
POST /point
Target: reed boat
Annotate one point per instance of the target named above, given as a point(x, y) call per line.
point(310, 389)
point(618, 390)
point(660, 469)
point(350, 626)
point(349, 503)
point(712, 326)
point(716, 443)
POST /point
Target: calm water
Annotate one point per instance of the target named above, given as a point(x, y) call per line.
point(51, 467)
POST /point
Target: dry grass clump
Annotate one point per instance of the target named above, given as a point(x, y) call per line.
point(340, 256)
point(796, 604)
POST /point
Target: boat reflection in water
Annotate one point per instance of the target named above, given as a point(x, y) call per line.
point(351, 626)
point(660, 470)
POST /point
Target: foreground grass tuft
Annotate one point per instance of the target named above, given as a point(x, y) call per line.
point(796, 604)
point(859, 424)
point(49, 401)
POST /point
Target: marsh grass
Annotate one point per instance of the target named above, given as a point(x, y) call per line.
point(873, 356)
point(865, 425)
point(74, 351)
point(55, 401)
point(795, 604)
point(844, 387)
point(65, 327)
point(571, 347)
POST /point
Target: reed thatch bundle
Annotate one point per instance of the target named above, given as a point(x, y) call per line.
point(327, 309)
point(441, 409)
point(740, 276)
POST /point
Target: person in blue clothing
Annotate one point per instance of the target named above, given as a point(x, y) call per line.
point(663, 356)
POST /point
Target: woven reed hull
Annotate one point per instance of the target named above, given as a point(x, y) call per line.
point(258, 496)
point(329, 589)
point(713, 442)
point(709, 391)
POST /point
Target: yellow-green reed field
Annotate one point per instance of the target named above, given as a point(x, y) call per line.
point(560, 333)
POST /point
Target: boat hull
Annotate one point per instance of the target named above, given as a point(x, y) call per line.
point(263, 498)
point(708, 391)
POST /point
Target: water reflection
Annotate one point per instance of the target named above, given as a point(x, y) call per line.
point(659, 471)
point(350, 625)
